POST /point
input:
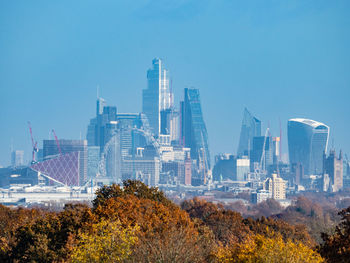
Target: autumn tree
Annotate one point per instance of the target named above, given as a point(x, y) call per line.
point(336, 247)
point(106, 241)
point(10, 220)
point(225, 224)
point(49, 238)
point(237, 206)
point(268, 227)
point(130, 187)
point(261, 249)
point(166, 232)
point(306, 212)
point(200, 208)
point(267, 208)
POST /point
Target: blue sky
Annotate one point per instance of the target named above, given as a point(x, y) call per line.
point(281, 59)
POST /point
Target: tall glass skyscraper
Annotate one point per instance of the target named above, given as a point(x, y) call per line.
point(251, 127)
point(193, 130)
point(307, 141)
point(158, 96)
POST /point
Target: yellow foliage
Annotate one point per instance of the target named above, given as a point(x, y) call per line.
point(108, 241)
point(261, 249)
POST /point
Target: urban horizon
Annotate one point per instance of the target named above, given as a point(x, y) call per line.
point(289, 61)
point(117, 145)
point(279, 130)
point(174, 131)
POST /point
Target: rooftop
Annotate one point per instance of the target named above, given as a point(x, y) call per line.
point(309, 122)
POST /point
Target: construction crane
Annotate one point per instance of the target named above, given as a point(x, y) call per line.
point(34, 144)
point(58, 144)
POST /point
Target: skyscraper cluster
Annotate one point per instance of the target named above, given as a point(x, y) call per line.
point(259, 158)
point(163, 144)
point(159, 145)
point(167, 145)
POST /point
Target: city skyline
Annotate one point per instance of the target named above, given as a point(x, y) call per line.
point(53, 85)
point(168, 103)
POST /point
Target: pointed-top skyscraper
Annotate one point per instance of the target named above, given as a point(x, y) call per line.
point(251, 127)
point(157, 97)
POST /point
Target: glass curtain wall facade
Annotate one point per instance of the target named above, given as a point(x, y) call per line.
point(193, 130)
point(257, 150)
point(307, 141)
point(158, 96)
point(251, 127)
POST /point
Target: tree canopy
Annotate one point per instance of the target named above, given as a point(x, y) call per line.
point(137, 223)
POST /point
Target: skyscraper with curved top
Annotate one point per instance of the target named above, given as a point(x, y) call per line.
point(307, 141)
point(158, 96)
point(251, 127)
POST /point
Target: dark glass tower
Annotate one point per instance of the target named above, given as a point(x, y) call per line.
point(307, 141)
point(251, 127)
point(193, 130)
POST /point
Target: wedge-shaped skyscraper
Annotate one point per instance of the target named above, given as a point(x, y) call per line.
point(251, 127)
point(307, 141)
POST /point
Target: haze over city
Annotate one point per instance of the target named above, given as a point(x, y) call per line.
point(291, 60)
point(175, 131)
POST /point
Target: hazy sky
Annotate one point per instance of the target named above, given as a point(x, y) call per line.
point(281, 59)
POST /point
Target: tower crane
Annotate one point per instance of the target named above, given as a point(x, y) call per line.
point(58, 144)
point(34, 144)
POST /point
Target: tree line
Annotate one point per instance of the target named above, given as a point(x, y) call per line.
point(137, 223)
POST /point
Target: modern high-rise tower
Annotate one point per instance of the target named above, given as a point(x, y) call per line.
point(193, 130)
point(157, 97)
point(307, 141)
point(251, 127)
